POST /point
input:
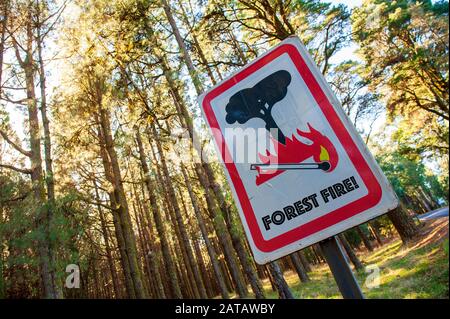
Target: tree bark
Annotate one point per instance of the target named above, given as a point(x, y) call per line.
point(202, 226)
point(165, 247)
point(118, 229)
point(244, 258)
point(43, 223)
point(375, 226)
point(4, 7)
point(301, 272)
point(350, 253)
point(364, 238)
point(280, 284)
point(128, 233)
point(179, 218)
point(49, 176)
point(152, 253)
point(224, 237)
point(403, 223)
point(304, 261)
point(112, 268)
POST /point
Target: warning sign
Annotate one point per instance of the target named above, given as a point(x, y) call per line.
point(298, 169)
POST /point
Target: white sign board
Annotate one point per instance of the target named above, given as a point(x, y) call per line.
point(298, 169)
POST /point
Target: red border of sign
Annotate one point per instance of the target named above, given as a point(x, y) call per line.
point(325, 221)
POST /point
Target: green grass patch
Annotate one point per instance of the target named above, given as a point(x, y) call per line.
point(404, 272)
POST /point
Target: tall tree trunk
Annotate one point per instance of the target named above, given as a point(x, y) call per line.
point(198, 252)
point(2, 247)
point(113, 195)
point(211, 251)
point(187, 283)
point(205, 182)
point(181, 107)
point(49, 177)
point(364, 238)
point(196, 44)
point(199, 89)
point(179, 218)
point(403, 223)
point(299, 268)
point(350, 253)
point(165, 247)
point(4, 9)
point(112, 268)
point(244, 258)
point(223, 236)
point(141, 242)
point(152, 253)
point(280, 284)
point(46, 268)
point(182, 46)
point(128, 233)
point(375, 226)
point(304, 261)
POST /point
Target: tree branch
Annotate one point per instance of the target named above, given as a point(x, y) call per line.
point(15, 145)
point(20, 170)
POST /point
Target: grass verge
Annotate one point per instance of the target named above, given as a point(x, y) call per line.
point(405, 271)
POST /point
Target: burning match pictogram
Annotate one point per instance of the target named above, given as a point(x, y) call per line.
point(319, 154)
point(270, 168)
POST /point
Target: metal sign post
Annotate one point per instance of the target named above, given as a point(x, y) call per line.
point(342, 273)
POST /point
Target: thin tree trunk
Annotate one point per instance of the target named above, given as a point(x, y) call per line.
point(199, 88)
point(224, 237)
point(151, 252)
point(364, 238)
point(196, 44)
point(299, 267)
point(46, 268)
point(304, 261)
point(280, 284)
point(112, 268)
point(141, 244)
point(129, 236)
point(4, 7)
point(165, 247)
point(375, 226)
point(179, 219)
point(209, 246)
point(318, 252)
point(244, 258)
point(116, 219)
point(182, 46)
point(350, 253)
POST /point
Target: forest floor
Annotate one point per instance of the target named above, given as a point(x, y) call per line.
point(417, 270)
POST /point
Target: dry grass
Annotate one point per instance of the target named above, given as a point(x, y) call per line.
point(416, 270)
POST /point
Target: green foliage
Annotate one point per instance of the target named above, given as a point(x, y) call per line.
point(405, 48)
point(410, 178)
point(19, 212)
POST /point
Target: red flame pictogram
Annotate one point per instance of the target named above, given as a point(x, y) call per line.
point(294, 151)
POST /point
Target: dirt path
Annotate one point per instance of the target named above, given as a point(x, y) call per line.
point(433, 231)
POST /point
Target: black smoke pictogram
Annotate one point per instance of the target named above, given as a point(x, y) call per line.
point(258, 101)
